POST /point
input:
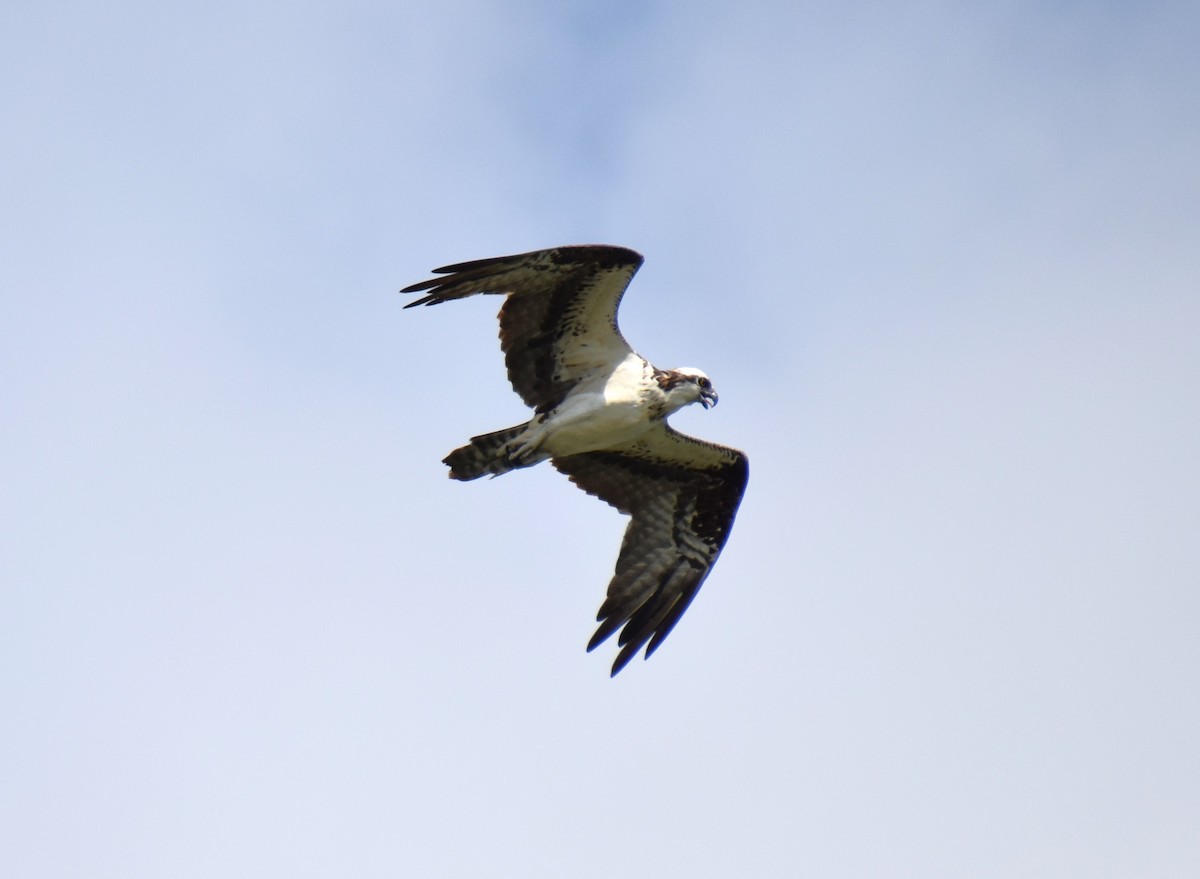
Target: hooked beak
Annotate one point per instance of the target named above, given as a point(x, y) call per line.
point(708, 398)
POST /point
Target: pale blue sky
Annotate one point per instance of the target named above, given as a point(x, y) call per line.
point(941, 262)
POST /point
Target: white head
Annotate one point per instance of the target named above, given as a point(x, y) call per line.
point(686, 385)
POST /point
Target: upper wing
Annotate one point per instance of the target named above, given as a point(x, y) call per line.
point(559, 325)
point(682, 494)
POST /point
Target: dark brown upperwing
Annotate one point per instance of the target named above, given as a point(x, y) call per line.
point(682, 495)
point(559, 324)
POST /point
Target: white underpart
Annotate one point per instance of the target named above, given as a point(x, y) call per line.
point(612, 409)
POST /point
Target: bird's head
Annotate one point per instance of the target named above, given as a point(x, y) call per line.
point(687, 385)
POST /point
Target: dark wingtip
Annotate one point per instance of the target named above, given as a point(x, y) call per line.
point(603, 634)
point(623, 658)
point(431, 299)
point(608, 625)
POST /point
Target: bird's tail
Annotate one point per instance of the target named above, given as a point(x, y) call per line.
point(489, 454)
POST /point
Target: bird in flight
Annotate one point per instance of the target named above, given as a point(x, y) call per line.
point(600, 417)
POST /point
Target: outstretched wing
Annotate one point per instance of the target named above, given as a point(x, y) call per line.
point(559, 323)
point(682, 494)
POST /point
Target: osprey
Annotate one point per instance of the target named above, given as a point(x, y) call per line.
point(600, 417)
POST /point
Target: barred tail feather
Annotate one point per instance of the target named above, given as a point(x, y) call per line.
point(486, 454)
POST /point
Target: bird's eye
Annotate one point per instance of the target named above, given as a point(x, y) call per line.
point(704, 383)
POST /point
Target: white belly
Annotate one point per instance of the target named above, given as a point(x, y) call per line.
point(590, 423)
point(607, 412)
